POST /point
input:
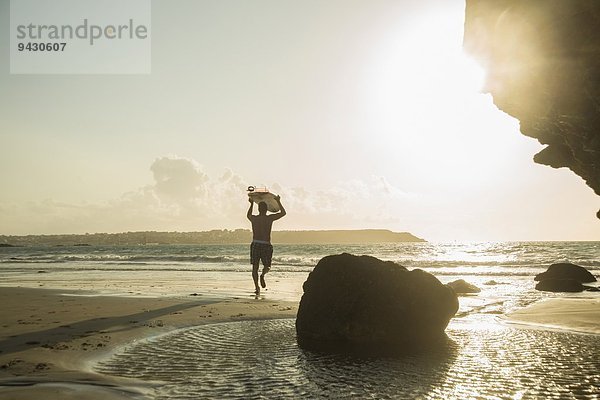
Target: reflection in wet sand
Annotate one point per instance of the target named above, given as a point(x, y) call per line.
point(254, 359)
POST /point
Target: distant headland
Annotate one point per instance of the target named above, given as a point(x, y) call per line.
point(223, 236)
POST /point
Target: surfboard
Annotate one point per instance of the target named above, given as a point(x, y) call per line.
point(262, 194)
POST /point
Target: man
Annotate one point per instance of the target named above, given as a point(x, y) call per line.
point(261, 248)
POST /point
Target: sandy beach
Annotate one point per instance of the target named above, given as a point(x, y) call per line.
point(49, 338)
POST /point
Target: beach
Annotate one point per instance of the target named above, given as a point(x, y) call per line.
point(51, 337)
point(166, 329)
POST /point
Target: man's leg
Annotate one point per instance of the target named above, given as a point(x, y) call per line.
point(266, 260)
point(262, 277)
point(255, 260)
point(255, 277)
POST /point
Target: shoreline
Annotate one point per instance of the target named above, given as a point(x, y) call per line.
point(50, 339)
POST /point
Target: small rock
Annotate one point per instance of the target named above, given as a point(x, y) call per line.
point(566, 271)
point(42, 366)
point(559, 285)
point(461, 286)
point(492, 283)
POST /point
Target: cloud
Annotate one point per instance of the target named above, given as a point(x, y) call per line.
point(184, 197)
point(370, 203)
point(179, 180)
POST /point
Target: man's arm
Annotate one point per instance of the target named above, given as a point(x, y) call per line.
point(281, 213)
point(249, 214)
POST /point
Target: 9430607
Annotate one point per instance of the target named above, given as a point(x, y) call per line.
point(41, 46)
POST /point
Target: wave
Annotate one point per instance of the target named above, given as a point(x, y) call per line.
point(222, 268)
point(124, 258)
point(157, 259)
point(172, 261)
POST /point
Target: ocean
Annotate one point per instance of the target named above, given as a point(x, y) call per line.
point(486, 356)
point(484, 258)
point(504, 270)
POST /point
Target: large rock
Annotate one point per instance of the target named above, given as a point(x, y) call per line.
point(360, 303)
point(461, 286)
point(542, 62)
point(560, 285)
point(566, 271)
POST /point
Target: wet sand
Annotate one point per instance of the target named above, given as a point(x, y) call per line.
point(261, 359)
point(49, 339)
point(578, 315)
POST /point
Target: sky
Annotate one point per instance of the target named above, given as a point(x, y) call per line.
point(360, 114)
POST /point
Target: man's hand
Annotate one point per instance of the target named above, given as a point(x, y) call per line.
point(281, 212)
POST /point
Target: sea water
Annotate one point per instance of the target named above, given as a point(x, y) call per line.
point(484, 357)
point(504, 270)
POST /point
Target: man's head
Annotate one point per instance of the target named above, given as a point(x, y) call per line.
point(262, 207)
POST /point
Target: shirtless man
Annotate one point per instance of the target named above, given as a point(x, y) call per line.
point(261, 248)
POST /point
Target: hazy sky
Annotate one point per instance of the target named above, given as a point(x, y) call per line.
point(361, 114)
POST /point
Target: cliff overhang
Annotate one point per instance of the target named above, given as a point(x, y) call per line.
point(542, 62)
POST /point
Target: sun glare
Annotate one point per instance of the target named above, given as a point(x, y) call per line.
point(423, 63)
point(425, 95)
